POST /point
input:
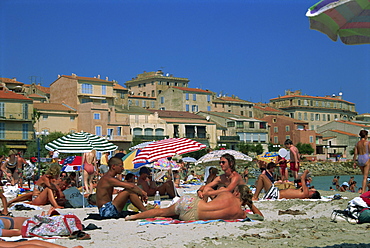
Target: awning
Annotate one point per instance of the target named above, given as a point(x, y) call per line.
point(16, 146)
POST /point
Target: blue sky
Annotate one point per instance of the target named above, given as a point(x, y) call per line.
point(252, 49)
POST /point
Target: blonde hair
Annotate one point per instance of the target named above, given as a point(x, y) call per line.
point(13, 152)
point(245, 194)
point(54, 170)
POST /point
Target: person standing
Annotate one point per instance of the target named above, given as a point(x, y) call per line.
point(89, 170)
point(361, 156)
point(55, 156)
point(294, 158)
point(104, 163)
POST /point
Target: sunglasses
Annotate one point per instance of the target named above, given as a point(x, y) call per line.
point(222, 162)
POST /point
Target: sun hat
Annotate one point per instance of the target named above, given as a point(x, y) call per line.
point(345, 184)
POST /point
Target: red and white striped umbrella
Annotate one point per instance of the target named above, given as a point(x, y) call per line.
point(167, 148)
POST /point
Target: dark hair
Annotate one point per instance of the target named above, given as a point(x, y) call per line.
point(231, 159)
point(363, 133)
point(144, 170)
point(316, 195)
point(114, 161)
point(271, 165)
point(288, 142)
point(245, 194)
point(129, 176)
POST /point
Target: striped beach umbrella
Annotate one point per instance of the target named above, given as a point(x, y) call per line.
point(167, 148)
point(348, 19)
point(80, 143)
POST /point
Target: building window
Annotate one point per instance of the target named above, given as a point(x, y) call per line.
point(98, 130)
point(144, 104)
point(85, 100)
point(194, 97)
point(25, 111)
point(208, 108)
point(137, 131)
point(148, 131)
point(305, 103)
point(2, 130)
point(276, 140)
point(24, 131)
point(250, 114)
point(328, 117)
point(194, 108)
point(153, 93)
point(162, 99)
point(311, 139)
point(335, 117)
point(328, 104)
point(137, 103)
point(324, 117)
point(87, 88)
point(45, 117)
point(317, 117)
point(312, 117)
point(299, 102)
point(316, 103)
point(251, 124)
point(103, 89)
point(72, 118)
point(299, 116)
point(103, 101)
point(110, 133)
point(287, 128)
point(312, 127)
point(276, 129)
point(241, 112)
point(152, 104)
point(262, 125)
point(240, 124)
point(287, 137)
point(186, 96)
point(119, 131)
point(208, 98)
point(96, 116)
point(305, 116)
point(2, 109)
point(231, 124)
point(187, 108)
point(274, 120)
point(300, 127)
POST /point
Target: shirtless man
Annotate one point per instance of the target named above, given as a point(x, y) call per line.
point(226, 206)
point(149, 186)
point(362, 149)
point(294, 157)
point(89, 170)
point(229, 181)
point(274, 193)
point(104, 191)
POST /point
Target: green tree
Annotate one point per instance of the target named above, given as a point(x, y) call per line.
point(304, 148)
point(32, 148)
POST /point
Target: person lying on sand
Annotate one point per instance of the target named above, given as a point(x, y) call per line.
point(226, 206)
point(104, 191)
point(229, 180)
point(31, 244)
point(274, 193)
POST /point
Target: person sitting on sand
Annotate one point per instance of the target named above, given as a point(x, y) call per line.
point(149, 186)
point(344, 187)
point(225, 182)
point(46, 190)
point(274, 193)
point(104, 191)
point(226, 206)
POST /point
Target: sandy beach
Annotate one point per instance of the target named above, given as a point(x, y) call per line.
point(312, 228)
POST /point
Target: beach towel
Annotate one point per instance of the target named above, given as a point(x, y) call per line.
point(25, 206)
point(93, 216)
point(169, 221)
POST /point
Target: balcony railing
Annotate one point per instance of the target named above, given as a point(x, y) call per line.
point(229, 138)
point(151, 137)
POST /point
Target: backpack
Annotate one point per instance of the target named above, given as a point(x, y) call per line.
point(46, 226)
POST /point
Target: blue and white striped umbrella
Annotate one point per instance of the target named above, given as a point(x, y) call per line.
point(80, 143)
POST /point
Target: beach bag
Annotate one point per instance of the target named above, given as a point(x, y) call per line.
point(11, 191)
point(364, 216)
point(75, 198)
point(47, 226)
point(352, 212)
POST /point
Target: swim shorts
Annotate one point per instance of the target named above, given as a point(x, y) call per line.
point(187, 207)
point(272, 194)
point(108, 210)
point(292, 166)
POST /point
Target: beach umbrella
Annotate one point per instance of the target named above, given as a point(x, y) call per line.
point(348, 19)
point(189, 160)
point(80, 142)
point(167, 148)
point(215, 156)
point(141, 145)
point(71, 163)
point(268, 157)
point(165, 164)
point(128, 161)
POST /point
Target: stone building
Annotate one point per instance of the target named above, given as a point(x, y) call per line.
point(233, 105)
point(316, 110)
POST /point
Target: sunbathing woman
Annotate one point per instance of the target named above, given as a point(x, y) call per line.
point(226, 205)
point(46, 191)
point(10, 167)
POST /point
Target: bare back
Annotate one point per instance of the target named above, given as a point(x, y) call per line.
point(361, 146)
point(89, 158)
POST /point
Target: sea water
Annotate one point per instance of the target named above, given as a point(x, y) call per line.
point(324, 182)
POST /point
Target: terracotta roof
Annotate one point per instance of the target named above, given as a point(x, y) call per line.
point(36, 96)
point(87, 79)
point(7, 94)
point(312, 97)
point(231, 99)
point(43, 89)
point(352, 123)
point(342, 132)
point(52, 106)
point(117, 86)
point(192, 89)
point(330, 137)
point(185, 120)
point(267, 108)
point(10, 80)
point(176, 114)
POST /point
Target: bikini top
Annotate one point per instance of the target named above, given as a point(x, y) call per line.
point(10, 165)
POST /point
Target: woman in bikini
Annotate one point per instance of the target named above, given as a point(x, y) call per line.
point(10, 167)
point(89, 170)
point(45, 190)
point(362, 154)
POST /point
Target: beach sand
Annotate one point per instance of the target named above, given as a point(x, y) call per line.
point(312, 229)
